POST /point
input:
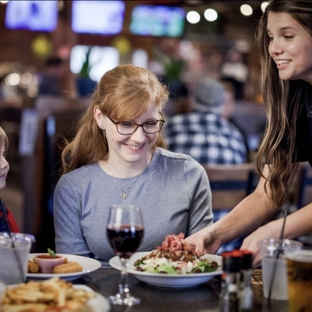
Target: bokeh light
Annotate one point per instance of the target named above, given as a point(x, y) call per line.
point(246, 9)
point(211, 15)
point(193, 17)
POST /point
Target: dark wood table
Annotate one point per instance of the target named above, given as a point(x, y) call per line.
point(202, 298)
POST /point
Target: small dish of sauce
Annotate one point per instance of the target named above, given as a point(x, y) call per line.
point(47, 262)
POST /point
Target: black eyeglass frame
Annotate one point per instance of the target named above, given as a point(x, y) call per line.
point(116, 123)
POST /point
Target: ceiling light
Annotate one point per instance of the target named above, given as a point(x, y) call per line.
point(264, 5)
point(211, 15)
point(246, 9)
point(193, 17)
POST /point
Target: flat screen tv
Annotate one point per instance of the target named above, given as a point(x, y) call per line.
point(98, 17)
point(157, 20)
point(101, 59)
point(31, 15)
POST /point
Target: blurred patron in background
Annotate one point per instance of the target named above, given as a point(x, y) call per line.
point(7, 220)
point(235, 71)
point(50, 80)
point(117, 157)
point(205, 132)
point(284, 37)
point(178, 102)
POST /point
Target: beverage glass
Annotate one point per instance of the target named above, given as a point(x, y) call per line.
point(14, 251)
point(124, 233)
point(274, 276)
point(299, 269)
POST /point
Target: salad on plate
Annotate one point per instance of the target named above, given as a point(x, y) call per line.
point(174, 256)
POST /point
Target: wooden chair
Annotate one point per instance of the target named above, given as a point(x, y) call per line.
point(35, 167)
point(229, 185)
point(58, 126)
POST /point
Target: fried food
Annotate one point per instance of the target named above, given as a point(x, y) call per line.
point(69, 267)
point(66, 267)
point(32, 267)
point(50, 295)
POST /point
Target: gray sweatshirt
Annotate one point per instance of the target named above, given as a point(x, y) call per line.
point(173, 193)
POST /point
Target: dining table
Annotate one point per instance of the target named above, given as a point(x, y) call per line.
point(201, 298)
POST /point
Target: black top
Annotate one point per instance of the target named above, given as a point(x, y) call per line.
point(304, 131)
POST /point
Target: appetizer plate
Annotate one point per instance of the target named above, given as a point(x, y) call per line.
point(169, 280)
point(88, 264)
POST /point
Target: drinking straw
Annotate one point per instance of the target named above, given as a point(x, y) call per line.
point(20, 266)
point(279, 250)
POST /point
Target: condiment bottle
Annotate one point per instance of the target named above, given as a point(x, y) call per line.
point(231, 266)
point(246, 293)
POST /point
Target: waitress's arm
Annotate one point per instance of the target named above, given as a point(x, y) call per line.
point(248, 215)
point(297, 224)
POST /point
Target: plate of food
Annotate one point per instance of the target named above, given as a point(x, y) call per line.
point(172, 265)
point(72, 268)
point(52, 294)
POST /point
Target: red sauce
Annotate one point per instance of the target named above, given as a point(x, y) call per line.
point(47, 257)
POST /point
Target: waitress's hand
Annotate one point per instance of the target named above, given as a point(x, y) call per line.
point(251, 241)
point(203, 242)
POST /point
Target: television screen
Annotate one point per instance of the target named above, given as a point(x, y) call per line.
point(157, 20)
point(31, 15)
point(101, 59)
point(98, 17)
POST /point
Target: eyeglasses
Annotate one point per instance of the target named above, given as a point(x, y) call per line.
point(129, 127)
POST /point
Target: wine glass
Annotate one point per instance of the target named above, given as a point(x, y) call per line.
point(124, 233)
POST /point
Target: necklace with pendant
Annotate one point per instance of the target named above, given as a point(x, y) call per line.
point(124, 193)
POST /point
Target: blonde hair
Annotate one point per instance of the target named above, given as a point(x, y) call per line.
point(123, 93)
point(4, 141)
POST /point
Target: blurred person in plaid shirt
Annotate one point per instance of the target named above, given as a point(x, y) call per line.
point(207, 134)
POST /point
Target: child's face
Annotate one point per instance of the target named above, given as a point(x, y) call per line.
point(4, 167)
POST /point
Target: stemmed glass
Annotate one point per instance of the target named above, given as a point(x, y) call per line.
point(125, 233)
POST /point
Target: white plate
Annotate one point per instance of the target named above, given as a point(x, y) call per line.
point(88, 264)
point(169, 280)
point(98, 303)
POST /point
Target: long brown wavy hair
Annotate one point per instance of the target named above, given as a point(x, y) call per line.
point(123, 93)
point(281, 101)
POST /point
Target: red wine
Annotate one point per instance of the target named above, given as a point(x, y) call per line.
point(125, 240)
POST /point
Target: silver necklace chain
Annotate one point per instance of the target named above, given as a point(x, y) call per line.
point(124, 193)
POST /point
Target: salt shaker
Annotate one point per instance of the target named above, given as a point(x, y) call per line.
point(231, 266)
point(246, 293)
